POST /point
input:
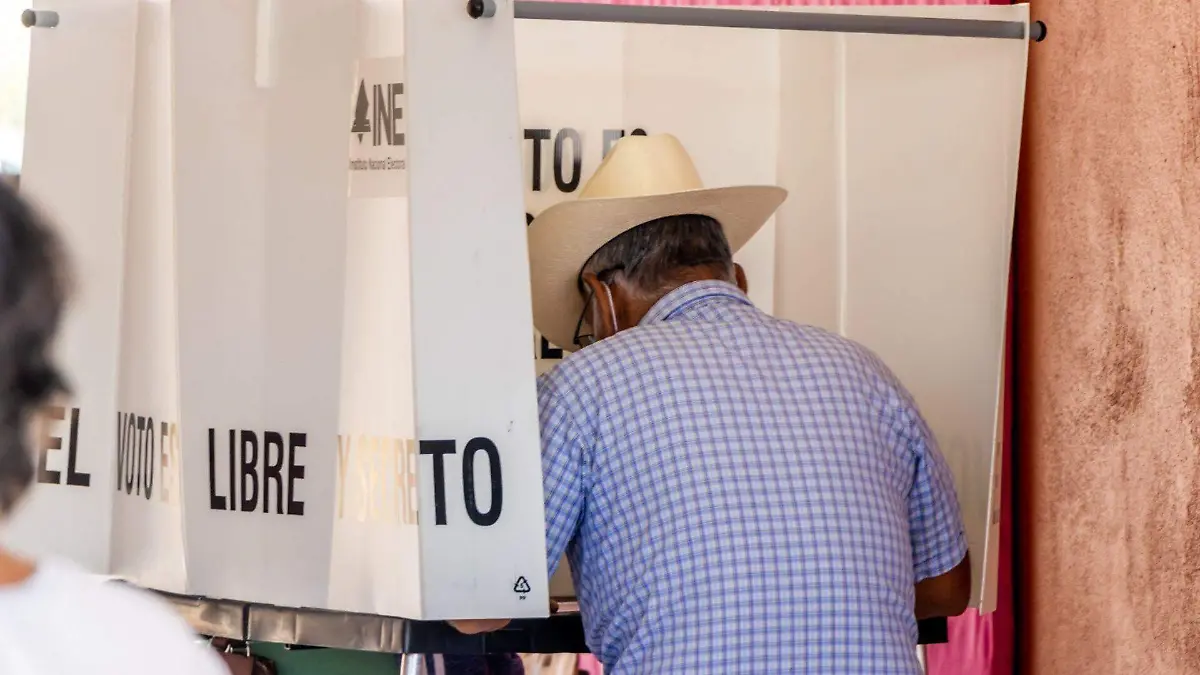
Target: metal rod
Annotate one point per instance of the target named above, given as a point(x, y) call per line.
point(39, 18)
point(745, 18)
point(1037, 31)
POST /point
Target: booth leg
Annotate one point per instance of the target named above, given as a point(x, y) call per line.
point(412, 664)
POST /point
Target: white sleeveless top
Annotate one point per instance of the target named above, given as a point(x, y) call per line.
point(63, 620)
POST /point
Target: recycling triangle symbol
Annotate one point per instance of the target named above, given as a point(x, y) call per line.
point(522, 586)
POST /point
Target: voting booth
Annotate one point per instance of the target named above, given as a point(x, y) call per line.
point(301, 343)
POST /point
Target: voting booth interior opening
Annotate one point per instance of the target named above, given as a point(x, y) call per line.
point(301, 349)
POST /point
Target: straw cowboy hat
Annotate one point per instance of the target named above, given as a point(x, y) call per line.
point(643, 178)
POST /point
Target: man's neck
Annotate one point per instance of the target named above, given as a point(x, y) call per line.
point(637, 310)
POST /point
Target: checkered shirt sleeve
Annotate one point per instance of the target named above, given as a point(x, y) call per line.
point(563, 469)
point(935, 523)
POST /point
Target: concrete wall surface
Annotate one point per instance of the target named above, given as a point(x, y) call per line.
point(1109, 340)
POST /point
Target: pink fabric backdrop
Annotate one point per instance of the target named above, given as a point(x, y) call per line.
point(979, 644)
point(781, 3)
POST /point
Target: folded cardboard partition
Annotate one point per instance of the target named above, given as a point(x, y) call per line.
point(301, 347)
point(314, 390)
point(898, 229)
point(81, 182)
point(355, 359)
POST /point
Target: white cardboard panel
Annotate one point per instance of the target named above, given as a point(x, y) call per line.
point(807, 243)
point(926, 134)
point(86, 63)
point(261, 236)
point(570, 82)
point(718, 91)
point(147, 536)
point(376, 547)
point(471, 313)
point(929, 234)
point(293, 302)
point(570, 85)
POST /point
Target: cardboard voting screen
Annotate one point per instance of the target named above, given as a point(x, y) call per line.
point(260, 226)
point(260, 378)
point(471, 316)
point(302, 459)
point(307, 252)
point(79, 181)
point(147, 522)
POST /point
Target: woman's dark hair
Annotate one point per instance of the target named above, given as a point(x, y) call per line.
point(33, 290)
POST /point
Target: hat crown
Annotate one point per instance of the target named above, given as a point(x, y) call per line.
point(642, 166)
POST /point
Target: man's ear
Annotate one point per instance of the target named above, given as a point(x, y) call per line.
point(601, 316)
point(740, 276)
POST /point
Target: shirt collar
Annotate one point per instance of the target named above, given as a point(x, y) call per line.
point(689, 294)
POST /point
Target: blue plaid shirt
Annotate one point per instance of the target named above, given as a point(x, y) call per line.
point(740, 494)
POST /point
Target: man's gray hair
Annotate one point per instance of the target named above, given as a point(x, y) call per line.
point(651, 256)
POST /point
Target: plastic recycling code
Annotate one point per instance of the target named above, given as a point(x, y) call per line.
point(522, 586)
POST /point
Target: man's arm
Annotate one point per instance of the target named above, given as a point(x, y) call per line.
point(946, 594)
point(941, 563)
point(564, 466)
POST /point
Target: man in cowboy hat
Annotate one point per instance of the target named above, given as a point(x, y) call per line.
point(735, 493)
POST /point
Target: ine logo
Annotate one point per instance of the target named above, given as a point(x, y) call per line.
point(378, 112)
point(378, 152)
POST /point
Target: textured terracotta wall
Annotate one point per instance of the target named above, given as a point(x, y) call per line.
point(1109, 340)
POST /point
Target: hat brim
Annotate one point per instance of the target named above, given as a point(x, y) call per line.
point(563, 237)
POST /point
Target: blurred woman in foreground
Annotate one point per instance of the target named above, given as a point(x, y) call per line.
point(55, 618)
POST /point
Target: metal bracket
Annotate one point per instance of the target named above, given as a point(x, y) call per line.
point(481, 9)
point(39, 18)
point(1037, 31)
